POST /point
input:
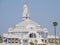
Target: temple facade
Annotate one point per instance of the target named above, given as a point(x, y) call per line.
point(27, 31)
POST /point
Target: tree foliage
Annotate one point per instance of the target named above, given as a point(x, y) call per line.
point(55, 23)
point(1, 39)
point(31, 43)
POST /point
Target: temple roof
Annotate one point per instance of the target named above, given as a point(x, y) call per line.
point(27, 24)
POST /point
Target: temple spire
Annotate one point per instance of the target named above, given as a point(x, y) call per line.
point(25, 12)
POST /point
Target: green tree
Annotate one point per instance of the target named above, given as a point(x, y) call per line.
point(31, 43)
point(35, 42)
point(1, 40)
point(55, 24)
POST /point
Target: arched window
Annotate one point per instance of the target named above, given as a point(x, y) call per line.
point(32, 35)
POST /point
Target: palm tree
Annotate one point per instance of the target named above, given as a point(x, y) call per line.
point(55, 24)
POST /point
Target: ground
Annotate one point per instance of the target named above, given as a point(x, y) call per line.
point(15, 44)
point(8, 44)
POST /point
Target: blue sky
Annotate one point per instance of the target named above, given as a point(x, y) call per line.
point(44, 12)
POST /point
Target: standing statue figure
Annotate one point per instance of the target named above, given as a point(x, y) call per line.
point(25, 12)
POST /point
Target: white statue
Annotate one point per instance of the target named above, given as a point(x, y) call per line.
point(25, 12)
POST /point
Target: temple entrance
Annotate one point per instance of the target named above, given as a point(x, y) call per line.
point(32, 35)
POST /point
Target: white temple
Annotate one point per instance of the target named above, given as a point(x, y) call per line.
point(26, 31)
